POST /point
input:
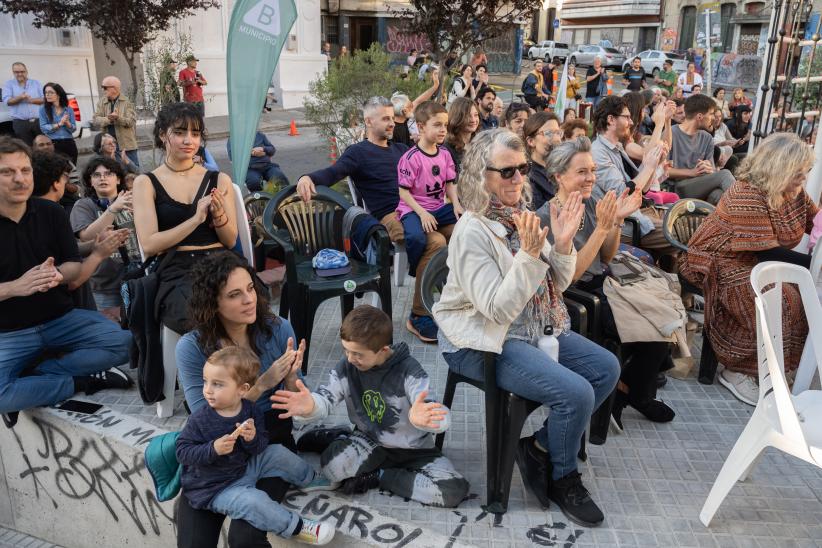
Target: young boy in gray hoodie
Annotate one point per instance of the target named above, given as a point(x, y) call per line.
point(384, 389)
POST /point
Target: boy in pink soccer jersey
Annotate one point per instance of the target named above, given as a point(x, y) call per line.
point(426, 175)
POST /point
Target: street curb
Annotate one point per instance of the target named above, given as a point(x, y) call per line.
point(147, 144)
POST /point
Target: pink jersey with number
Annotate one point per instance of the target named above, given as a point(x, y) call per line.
point(425, 176)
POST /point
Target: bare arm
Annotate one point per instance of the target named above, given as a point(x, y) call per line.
point(151, 239)
point(226, 227)
point(427, 94)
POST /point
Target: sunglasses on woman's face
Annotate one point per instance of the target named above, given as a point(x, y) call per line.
point(508, 172)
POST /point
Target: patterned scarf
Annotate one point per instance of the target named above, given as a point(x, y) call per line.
point(546, 306)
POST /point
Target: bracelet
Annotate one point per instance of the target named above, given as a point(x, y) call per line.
point(222, 225)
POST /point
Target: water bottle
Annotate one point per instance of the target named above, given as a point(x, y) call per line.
point(548, 343)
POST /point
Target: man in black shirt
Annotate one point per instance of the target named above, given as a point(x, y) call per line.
point(37, 318)
point(595, 77)
point(634, 77)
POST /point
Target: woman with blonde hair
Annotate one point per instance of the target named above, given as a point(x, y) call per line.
point(760, 218)
point(504, 287)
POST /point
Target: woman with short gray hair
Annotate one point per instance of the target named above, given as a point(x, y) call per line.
point(572, 166)
point(504, 288)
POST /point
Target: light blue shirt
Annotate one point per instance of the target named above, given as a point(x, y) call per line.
point(23, 110)
point(611, 175)
point(62, 132)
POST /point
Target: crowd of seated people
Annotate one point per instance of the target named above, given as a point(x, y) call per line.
point(526, 210)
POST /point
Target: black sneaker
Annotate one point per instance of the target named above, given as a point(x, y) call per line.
point(655, 411)
point(535, 469)
point(112, 378)
point(361, 484)
point(318, 440)
point(574, 500)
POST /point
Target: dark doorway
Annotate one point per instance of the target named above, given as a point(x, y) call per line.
point(647, 38)
point(365, 32)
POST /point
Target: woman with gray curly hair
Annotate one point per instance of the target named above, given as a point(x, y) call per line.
point(504, 288)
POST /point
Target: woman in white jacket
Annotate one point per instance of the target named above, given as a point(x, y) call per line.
point(504, 286)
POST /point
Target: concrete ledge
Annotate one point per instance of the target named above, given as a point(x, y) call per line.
point(80, 480)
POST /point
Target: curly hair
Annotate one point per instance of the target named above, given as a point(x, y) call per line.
point(108, 163)
point(208, 278)
point(773, 162)
point(473, 193)
point(178, 115)
point(48, 168)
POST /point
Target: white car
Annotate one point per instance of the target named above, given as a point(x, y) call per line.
point(652, 60)
point(549, 51)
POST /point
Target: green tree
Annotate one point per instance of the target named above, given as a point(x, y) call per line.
point(336, 98)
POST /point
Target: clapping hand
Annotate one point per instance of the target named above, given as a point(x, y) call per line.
point(285, 366)
point(40, 278)
point(704, 167)
point(300, 403)
point(122, 202)
point(531, 235)
point(626, 204)
point(426, 414)
point(565, 222)
point(606, 211)
point(109, 241)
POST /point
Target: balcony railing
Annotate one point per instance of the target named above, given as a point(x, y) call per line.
point(579, 9)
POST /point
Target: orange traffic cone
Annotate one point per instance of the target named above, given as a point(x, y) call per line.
point(610, 84)
point(293, 131)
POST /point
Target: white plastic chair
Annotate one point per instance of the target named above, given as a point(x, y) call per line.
point(169, 338)
point(400, 256)
point(784, 420)
point(804, 375)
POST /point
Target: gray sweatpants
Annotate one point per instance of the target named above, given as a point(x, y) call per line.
point(423, 475)
point(708, 187)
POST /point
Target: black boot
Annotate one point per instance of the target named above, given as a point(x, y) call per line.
point(655, 410)
point(620, 401)
point(574, 500)
point(317, 440)
point(535, 468)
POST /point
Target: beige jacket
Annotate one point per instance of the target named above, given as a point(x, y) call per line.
point(487, 287)
point(125, 126)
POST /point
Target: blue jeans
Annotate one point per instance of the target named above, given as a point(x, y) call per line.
point(242, 500)
point(90, 343)
point(256, 177)
point(594, 102)
point(415, 238)
point(134, 156)
point(573, 388)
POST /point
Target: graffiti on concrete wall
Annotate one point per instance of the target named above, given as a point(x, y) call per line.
point(400, 42)
point(500, 52)
point(732, 70)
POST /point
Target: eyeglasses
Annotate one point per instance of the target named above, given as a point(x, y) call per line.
point(508, 172)
point(97, 175)
point(106, 87)
point(628, 116)
point(552, 133)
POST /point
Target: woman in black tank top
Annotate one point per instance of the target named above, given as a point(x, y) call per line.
point(182, 208)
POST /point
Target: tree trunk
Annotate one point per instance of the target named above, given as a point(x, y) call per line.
point(132, 70)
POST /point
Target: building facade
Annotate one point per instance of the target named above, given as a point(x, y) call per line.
point(630, 26)
point(73, 58)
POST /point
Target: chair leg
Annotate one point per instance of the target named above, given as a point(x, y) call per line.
point(284, 300)
point(346, 305)
point(168, 341)
point(308, 323)
point(601, 420)
point(447, 400)
point(494, 424)
point(744, 453)
point(707, 361)
point(582, 454)
point(385, 295)
point(400, 265)
point(513, 414)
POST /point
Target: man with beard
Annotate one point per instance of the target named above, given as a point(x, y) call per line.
point(616, 171)
point(485, 101)
point(692, 153)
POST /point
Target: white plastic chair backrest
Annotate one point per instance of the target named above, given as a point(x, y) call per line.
point(770, 353)
point(243, 228)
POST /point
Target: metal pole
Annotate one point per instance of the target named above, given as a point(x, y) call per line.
point(90, 87)
point(708, 51)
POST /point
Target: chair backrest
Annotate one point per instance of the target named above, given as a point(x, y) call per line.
point(255, 204)
point(355, 196)
point(682, 219)
point(433, 278)
point(312, 225)
point(767, 279)
point(243, 228)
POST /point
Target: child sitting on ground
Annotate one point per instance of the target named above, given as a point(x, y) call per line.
point(384, 389)
point(223, 455)
point(426, 174)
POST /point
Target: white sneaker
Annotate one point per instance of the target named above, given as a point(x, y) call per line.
point(743, 387)
point(315, 532)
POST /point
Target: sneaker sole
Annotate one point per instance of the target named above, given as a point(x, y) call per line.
point(732, 389)
point(311, 489)
point(410, 327)
point(576, 519)
point(520, 459)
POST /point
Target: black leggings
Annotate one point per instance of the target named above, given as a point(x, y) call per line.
point(201, 528)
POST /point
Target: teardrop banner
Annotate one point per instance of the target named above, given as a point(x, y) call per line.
point(256, 35)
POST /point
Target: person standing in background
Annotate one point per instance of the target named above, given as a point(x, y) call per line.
point(115, 116)
point(169, 91)
point(24, 97)
point(193, 81)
